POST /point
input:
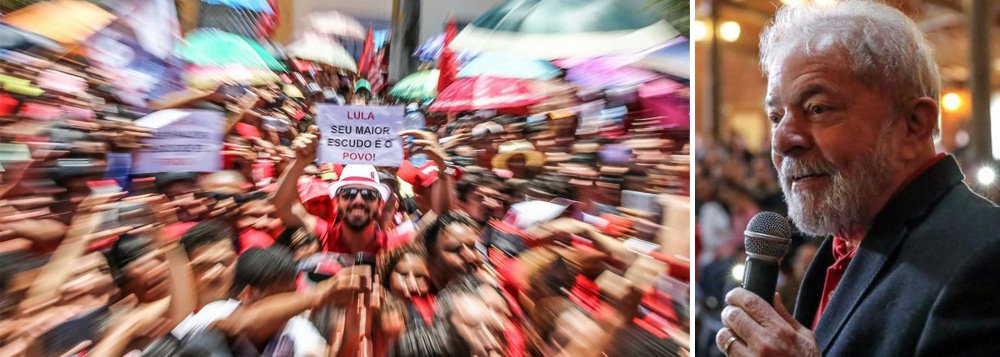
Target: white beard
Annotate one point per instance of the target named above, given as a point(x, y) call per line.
point(843, 205)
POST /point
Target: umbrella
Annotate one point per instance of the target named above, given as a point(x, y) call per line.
point(430, 50)
point(322, 51)
point(210, 77)
point(558, 95)
point(18, 39)
point(252, 5)
point(500, 65)
point(65, 21)
point(485, 92)
point(417, 86)
point(606, 73)
point(668, 100)
point(565, 28)
point(337, 24)
point(213, 47)
point(237, 21)
point(674, 60)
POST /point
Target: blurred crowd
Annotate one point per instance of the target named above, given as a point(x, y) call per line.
point(734, 184)
point(501, 234)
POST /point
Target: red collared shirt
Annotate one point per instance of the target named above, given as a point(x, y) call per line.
point(329, 233)
point(842, 254)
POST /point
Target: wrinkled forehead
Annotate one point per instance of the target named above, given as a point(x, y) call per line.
point(794, 70)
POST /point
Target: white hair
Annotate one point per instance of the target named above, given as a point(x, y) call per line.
point(885, 47)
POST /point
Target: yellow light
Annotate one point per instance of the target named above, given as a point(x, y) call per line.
point(729, 31)
point(951, 102)
point(792, 2)
point(825, 3)
point(699, 31)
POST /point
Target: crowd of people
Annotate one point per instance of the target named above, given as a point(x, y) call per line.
point(498, 234)
point(734, 184)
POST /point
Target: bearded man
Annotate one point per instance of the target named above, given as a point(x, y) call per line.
point(907, 266)
point(359, 198)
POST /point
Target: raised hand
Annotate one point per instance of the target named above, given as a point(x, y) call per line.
point(305, 145)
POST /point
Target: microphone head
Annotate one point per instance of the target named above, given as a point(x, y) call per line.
point(768, 236)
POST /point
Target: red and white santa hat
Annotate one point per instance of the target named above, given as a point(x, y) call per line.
point(360, 175)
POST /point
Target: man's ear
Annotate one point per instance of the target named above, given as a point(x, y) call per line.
point(922, 119)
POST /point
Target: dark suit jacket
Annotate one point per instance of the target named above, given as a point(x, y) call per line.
point(924, 282)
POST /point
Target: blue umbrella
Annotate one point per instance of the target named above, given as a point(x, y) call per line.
point(18, 39)
point(252, 5)
point(499, 65)
point(552, 29)
point(430, 50)
point(673, 60)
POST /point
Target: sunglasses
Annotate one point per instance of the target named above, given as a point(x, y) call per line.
point(366, 194)
point(238, 197)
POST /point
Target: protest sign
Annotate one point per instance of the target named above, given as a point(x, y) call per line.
point(360, 135)
point(186, 140)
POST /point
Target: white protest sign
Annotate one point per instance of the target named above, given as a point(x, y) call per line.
point(360, 134)
point(186, 140)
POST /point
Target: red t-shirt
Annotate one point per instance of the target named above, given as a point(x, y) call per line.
point(329, 233)
point(251, 238)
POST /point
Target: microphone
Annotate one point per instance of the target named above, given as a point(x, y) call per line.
point(767, 239)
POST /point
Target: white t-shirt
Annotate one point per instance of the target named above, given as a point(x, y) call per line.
point(198, 321)
point(307, 341)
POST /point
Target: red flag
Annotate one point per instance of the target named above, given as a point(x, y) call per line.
point(367, 54)
point(446, 64)
point(375, 73)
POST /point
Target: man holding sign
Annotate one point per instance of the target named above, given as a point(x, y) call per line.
point(358, 194)
point(359, 198)
point(360, 135)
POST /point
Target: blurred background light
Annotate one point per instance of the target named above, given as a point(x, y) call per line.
point(699, 32)
point(951, 101)
point(737, 272)
point(986, 175)
point(729, 31)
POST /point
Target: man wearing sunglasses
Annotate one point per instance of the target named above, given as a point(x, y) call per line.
point(359, 198)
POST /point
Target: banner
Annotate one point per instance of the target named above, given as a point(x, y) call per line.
point(185, 141)
point(360, 134)
point(135, 51)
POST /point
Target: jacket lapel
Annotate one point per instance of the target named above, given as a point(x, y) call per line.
point(888, 231)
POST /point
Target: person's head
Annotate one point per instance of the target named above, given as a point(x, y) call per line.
point(263, 272)
point(173, 185)
point(480, 328)
point(392, 203)
point(212, 257)
point(852, 100)
point(803, 257)
point(517, 164)
point(450, 241)
point(140, 268)
point(404, 271)
point(479, 196)
point(360, 197)
point(224, 185)
point(228, 182)
point(299, 241)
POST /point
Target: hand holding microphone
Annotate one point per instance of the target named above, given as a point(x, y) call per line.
point(753, 327)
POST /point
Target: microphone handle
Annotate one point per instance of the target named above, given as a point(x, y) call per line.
point(761, 277)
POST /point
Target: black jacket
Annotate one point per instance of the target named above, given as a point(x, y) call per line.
point(924, 282)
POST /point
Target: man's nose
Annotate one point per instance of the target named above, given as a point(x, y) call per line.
point(792, 136)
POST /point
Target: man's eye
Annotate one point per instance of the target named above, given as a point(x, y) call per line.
point(774, 118)
point(817, 109)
